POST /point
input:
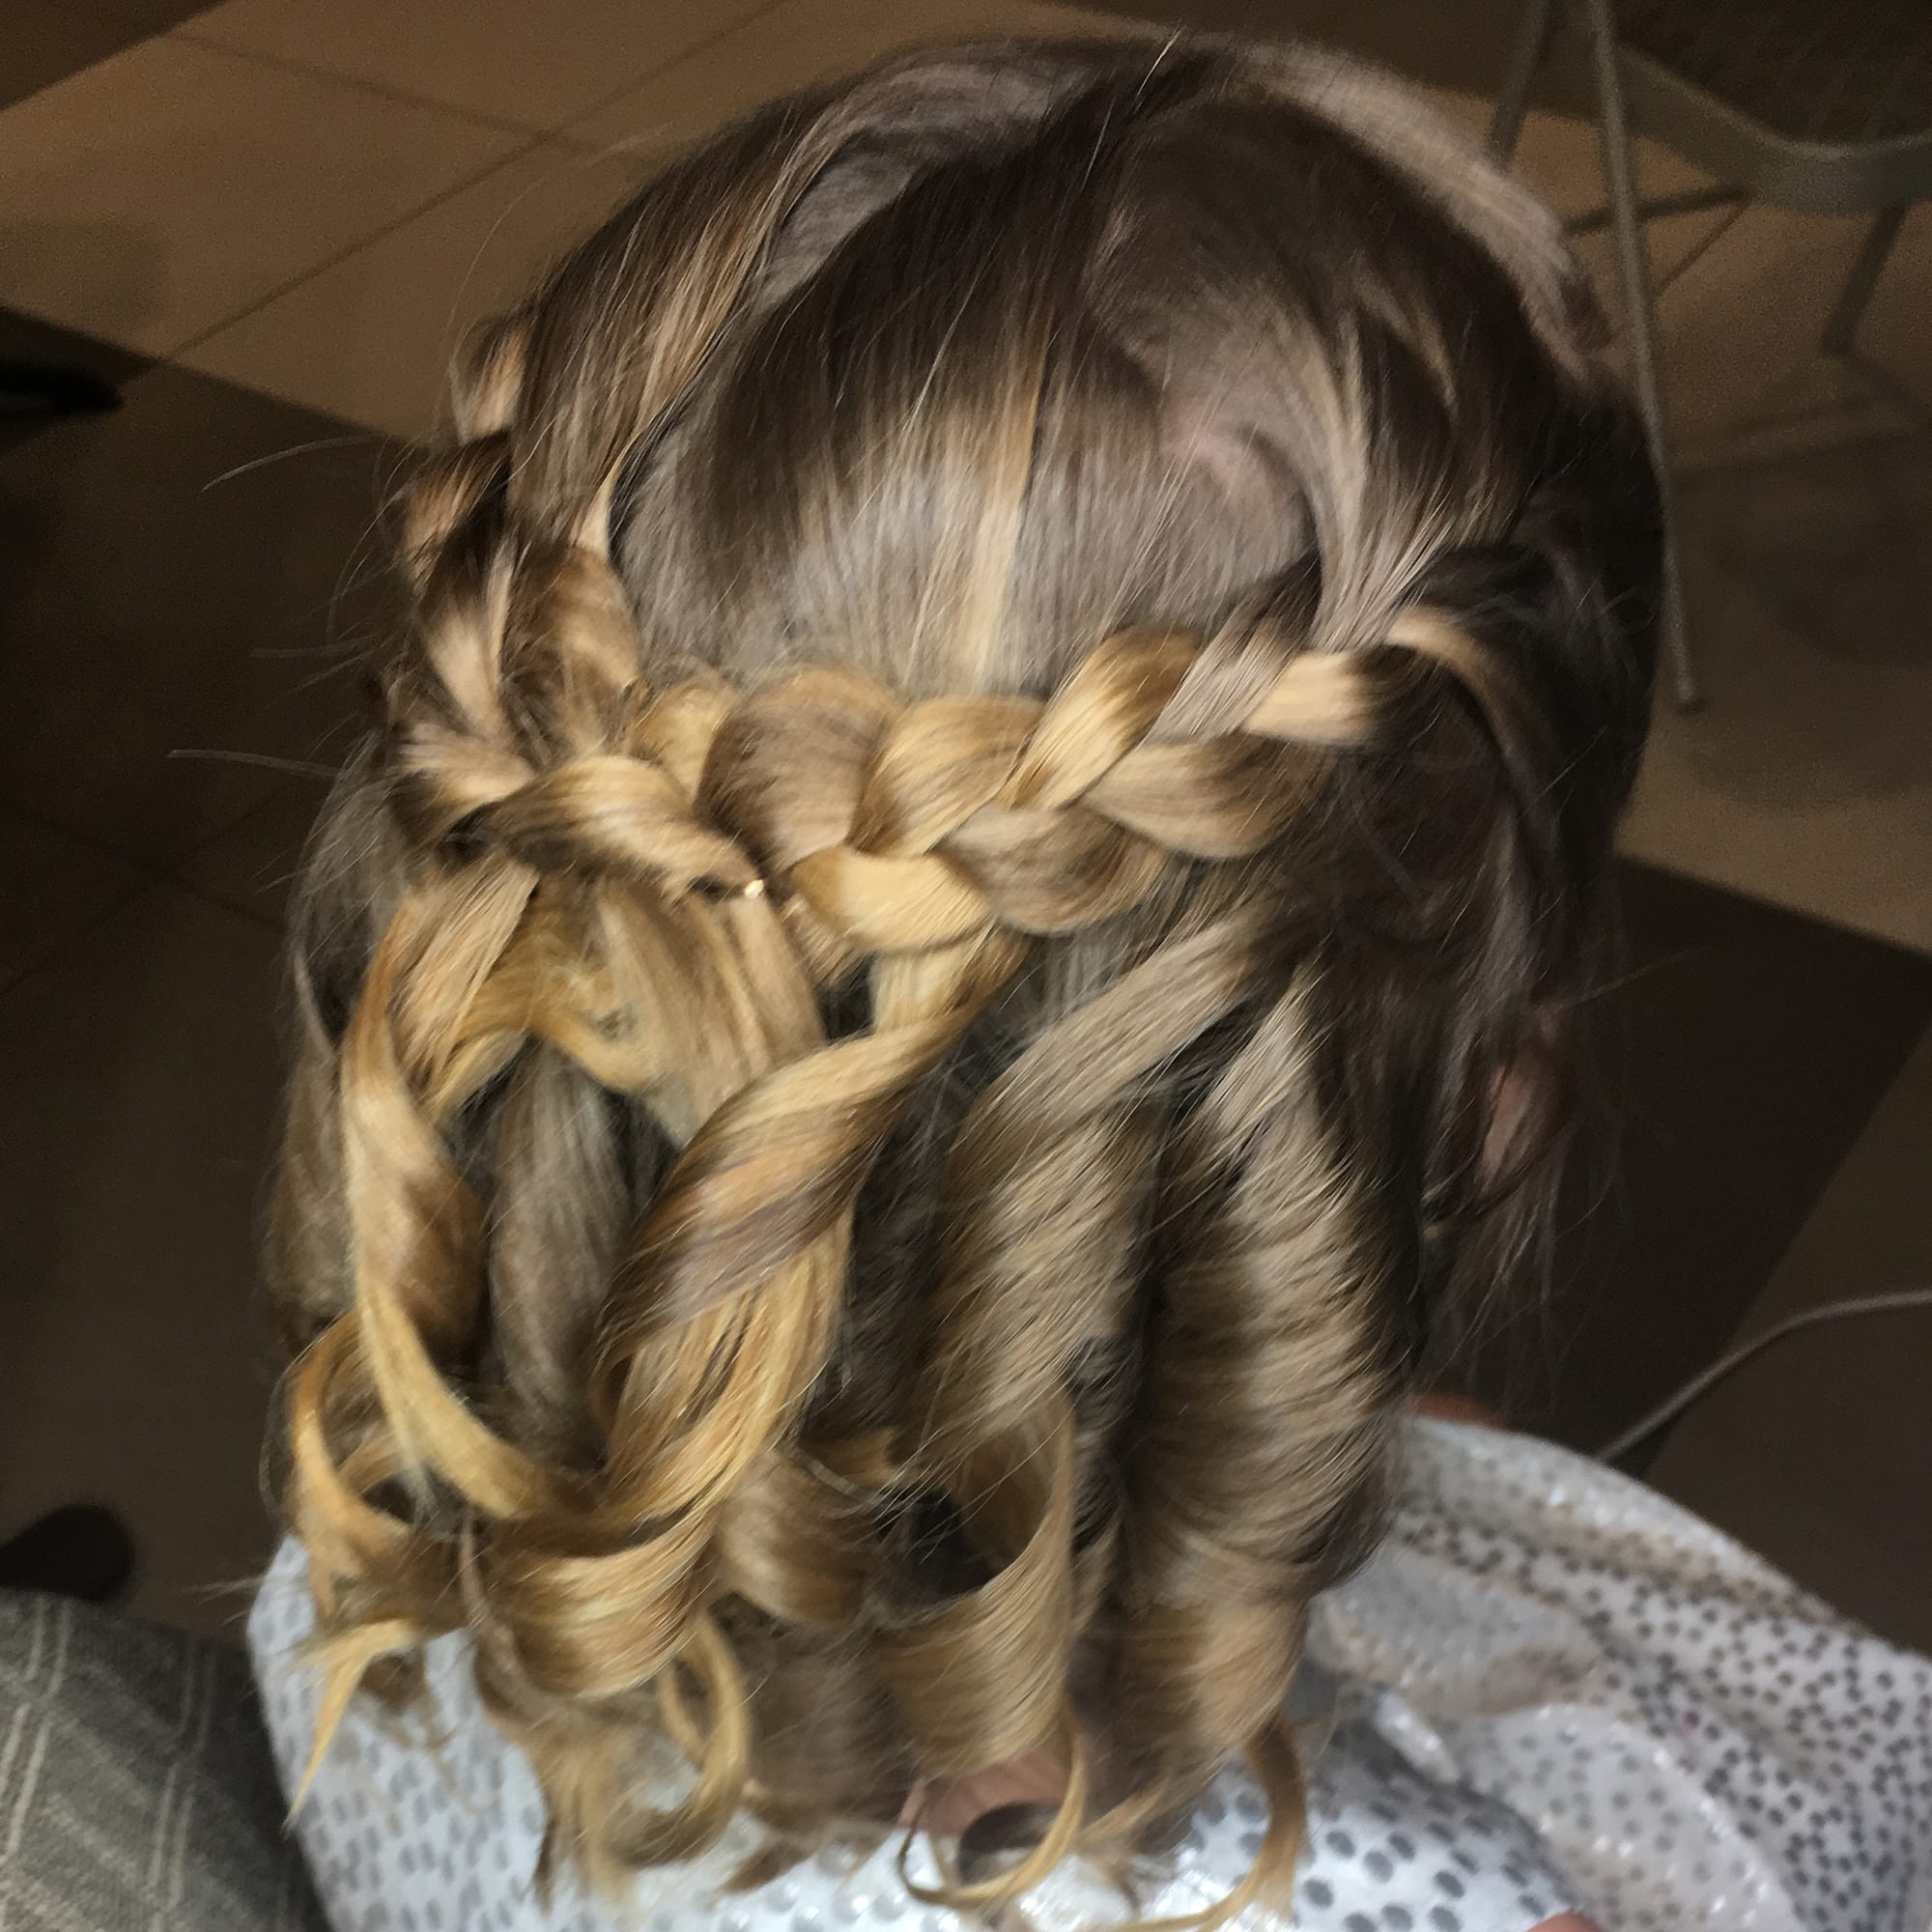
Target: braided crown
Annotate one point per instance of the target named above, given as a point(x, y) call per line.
point(880, 825)
point(935, 837)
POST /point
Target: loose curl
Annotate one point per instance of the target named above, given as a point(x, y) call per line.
point(1004, 725)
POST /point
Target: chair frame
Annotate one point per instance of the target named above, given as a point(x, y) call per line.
point(1881, 178)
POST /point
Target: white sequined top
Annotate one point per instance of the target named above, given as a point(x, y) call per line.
point(1551, 1690)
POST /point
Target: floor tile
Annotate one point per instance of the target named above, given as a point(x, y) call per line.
point(163, 191)
point(1837, 544)
point(1465, 46)
point(53, 889)
point(1739, 315)
point(1741, 300)
point(1806, 778)
point(1560, 157)
point(529, 63)
point(369, 338)
point(1814, 1453)
point(1741, 1050)
point(188, 576)
point(1743, 375)
point(141, 1081)
point(1739, 334)
point(800, 40)
point(1894, 333)
point(251, 865)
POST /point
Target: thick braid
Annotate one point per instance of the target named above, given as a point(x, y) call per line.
point(936, 788)
point(655, 885)
point(712, 1233)
point(1149, 987)
point(502, 613)
point(347, 1442)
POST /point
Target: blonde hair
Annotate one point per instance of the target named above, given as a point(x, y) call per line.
point(1015, 687)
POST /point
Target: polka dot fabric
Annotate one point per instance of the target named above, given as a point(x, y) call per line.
point(1552, 1690)
point(431, 1822)
point(1693, 1739)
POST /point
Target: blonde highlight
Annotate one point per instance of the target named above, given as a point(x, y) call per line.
point(789, 1148)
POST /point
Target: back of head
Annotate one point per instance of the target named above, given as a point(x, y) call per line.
point(1017, 690)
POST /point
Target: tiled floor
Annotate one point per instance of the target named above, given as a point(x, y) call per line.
point(48, 40)
point(1808, 780)
point(271, 224)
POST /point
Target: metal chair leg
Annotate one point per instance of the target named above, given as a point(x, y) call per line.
point(1532, 42)
point(1849, 309)
point(1640, 302)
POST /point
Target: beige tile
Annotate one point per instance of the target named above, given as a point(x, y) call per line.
point(1815, 404)
point(1739, 327)
point(369, 338)
point(162, 191)
point(1559, 154)
point(1814, 1453)
point(1806, 778)
point(1740, 338)
point(1739, 316)
point(1743, 378)
point(1462, 45)
point(800, 40)
point(141, 1078)
point(531, 63)
point(1897, 330)
point(53, 888)
point(1265, 19)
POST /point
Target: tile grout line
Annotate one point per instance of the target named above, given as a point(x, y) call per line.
point(175, 352)
point(116, 903)
point(555, 135)
point(314, 70)
point(758, 12)
point(151, 875)
point(560, 135)
point(405, 96)
point(267, 921)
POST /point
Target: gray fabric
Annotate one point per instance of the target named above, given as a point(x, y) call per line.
point(136, 1789)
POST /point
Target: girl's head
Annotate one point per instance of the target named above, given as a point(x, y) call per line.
point(958, 938)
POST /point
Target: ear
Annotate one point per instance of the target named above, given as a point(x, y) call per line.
point(1523, 1098)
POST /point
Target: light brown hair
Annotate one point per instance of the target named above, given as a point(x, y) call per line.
point(1016, 685)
